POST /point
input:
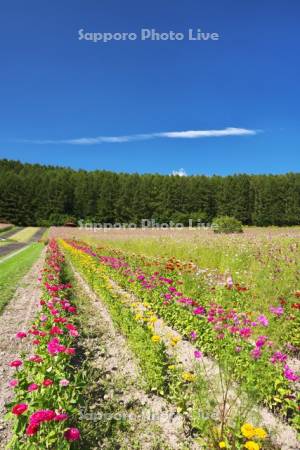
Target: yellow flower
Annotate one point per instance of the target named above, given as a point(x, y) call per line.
point(152, 319)
point(138, 317)
point(260, 433)
point(251, 445)
point(222, 444)
point(175, 340)
point(171, 366)
point(155, 338)
point(187, 376)
point(248, 430)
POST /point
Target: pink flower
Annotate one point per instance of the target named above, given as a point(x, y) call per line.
point(55, 347)
point(70, 351)
point(199, 310)
point(72, 434)
point(56, 330)
point(43, 318)
point(73, 333)
point(47, 382)
point(261, 341)
point(16, 363)
point(64, 382)
point(13, 383)
point(19, 409)
point(193, 335)
point(263, 320)
point(238, 349)
point(245, 332)
point(256, 353)
point(278, 357)
point(278, 310)
point(43, 415)
point(289, 374)
point(32, 387)
point(21, 335)
point(198, 354)
point(35, 358)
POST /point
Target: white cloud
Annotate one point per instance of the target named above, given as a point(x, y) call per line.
point(190, 134)
point(180, 173)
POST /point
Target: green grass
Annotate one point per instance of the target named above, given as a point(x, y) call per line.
point(14, 269)
point(24, 235)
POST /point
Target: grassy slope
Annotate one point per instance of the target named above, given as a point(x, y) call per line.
point(24, 235)
point(14, 269)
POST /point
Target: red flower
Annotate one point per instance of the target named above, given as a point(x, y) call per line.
point(16, 363)
point(72, 434)
point(21, 335)
point(19, 409)
point(32, 429)
point(47, 382)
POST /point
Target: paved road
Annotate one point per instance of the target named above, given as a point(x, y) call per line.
point(14, 246)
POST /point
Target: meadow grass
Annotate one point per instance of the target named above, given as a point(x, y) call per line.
point(14, 269)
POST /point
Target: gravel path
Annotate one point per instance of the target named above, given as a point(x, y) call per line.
point(17, 316)
point(120, 359)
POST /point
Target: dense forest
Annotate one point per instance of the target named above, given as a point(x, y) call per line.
point(31, 194)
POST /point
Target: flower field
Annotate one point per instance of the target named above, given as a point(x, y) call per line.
point(219, 343)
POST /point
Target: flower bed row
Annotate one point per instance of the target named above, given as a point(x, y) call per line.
point(46, 386)
point(185, 389)
point(220, 332)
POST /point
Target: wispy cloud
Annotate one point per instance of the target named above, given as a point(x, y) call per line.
point(189, 134)
point(180, 173)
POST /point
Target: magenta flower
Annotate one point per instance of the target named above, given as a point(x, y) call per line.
point(256, 353)
point(193, 335)
point(60, 417)
point(261, 341)
point(277, 310)
point(13, 383)
point(263, 320)
point(245, 332)
point(199, 310)
point(198, 354)
point(21, 335)
point(32, 387)
point(72, 434)
point(278, 357)
point(19, 409)
point(289, 374)
point(43, 415)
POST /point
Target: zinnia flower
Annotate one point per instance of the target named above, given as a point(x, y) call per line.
point(21, 335)
point(64, 382)
point(260, 433)
point(72, 434)
point(32, 429)
point(19, 409)
point(198, 354)
point(16, 363)
point(248, 430)
point(13, 383)
point(32, 387)
point(155, 338)
point(251, 445)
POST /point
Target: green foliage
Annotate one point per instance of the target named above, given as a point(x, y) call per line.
point(227, 224)
point(31, 194)
point(14, 269)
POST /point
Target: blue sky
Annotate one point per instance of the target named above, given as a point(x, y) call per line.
point(139, 98)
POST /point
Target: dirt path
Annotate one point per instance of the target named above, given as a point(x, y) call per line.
point(119, 360)
point(17, 316)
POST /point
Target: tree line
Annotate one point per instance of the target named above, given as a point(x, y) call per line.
point(32, 194)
